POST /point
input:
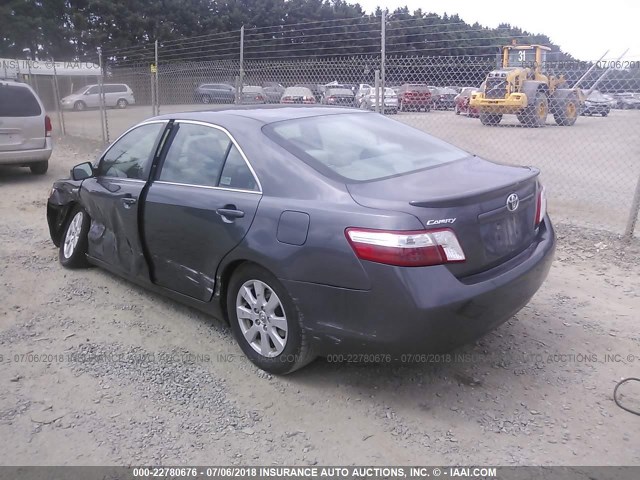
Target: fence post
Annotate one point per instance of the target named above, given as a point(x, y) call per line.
point(633, 213)
point(56, 98)
point(383, 55)
point(241, 76)
point(376, 89)
point(101, 93)
point(156, 83)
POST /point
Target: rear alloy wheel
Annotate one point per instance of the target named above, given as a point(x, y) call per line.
point(265, 321)
point(122, 103)
point(39, 168)
point(568, 114)
point(79, 106)
point(73, 247)
point(490, 119)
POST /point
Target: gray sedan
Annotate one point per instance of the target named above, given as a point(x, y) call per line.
point(311, 230)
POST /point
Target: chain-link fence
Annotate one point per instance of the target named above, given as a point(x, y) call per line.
point(591, 168)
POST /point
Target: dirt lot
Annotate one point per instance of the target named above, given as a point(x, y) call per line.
point(590, 170)
point(97, 371)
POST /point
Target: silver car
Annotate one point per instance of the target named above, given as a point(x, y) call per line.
point(115, 95)
point(25, 129)
point(368, 100)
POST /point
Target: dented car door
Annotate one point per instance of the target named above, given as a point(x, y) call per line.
point(112, 199)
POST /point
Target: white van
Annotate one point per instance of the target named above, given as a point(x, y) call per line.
point(25, 129)
point(115, 95)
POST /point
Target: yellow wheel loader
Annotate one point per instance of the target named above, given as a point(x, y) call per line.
point(521, 88)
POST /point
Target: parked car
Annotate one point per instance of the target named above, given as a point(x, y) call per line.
point(406, 243)
point(445, 99)
point(596, 104)
point(360, 90)
point(462, 106)
point(117, 95)
point(253, 95)
point(627, 101)
point(316, 90)
point(414, 96)
point(338, 96)
point(215, 93)
point(273, 91)
point(368, 100)
point(298, 95)
point(25, 128)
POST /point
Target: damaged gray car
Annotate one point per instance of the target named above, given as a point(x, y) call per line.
point(311, 230)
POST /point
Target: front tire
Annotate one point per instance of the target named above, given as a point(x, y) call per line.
point(74, 242)
point(206, 99)
point(79, 106)
point(39, 168)
point(535, 115)
point(490, 119)
point(266, 322)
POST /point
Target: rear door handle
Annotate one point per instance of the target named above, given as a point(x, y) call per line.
point(230, 213)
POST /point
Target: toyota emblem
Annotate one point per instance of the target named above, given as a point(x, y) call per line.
point(512, 202)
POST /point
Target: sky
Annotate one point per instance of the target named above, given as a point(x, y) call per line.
point(582, 30)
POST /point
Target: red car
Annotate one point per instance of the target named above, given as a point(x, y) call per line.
point(414, 97)
point(462, 103)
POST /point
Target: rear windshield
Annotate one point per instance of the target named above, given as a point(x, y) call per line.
point(17, 101)
point(297, 91)
point(361, 146)
point(339, 91)
point(417, 88)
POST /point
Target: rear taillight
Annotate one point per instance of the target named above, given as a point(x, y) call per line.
point(309, 99)
point(286, 100)
point(332, 99)
point(541, 205)
point(416, 248)
point(47, 126)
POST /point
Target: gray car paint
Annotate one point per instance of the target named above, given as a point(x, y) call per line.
point(344, 301)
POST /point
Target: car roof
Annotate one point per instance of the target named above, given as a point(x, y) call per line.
point(263, 113)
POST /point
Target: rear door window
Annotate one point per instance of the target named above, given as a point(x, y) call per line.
point(196, 156)
point(18, 101)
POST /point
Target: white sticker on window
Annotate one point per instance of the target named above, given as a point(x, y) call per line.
point(225, 181)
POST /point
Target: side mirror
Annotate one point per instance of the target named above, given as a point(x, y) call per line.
point(82, 171)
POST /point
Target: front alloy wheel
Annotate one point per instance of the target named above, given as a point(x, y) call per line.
point(73, 248)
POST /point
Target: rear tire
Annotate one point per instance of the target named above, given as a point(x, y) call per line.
point(269, 331)
point(122, 103)
point(79, 106)
point(39, 168)
point(490, 119)
point(568, 114)
point(74, 241)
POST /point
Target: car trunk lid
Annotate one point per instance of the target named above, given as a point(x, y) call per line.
point(470, 197)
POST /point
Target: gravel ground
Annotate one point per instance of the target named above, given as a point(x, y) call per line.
point(95, 370)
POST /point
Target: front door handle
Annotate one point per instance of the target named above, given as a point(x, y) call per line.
point(230, 212)
point(129, 202)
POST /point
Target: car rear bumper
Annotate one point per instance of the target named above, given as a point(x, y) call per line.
point(26, 157)
point(418, 310)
